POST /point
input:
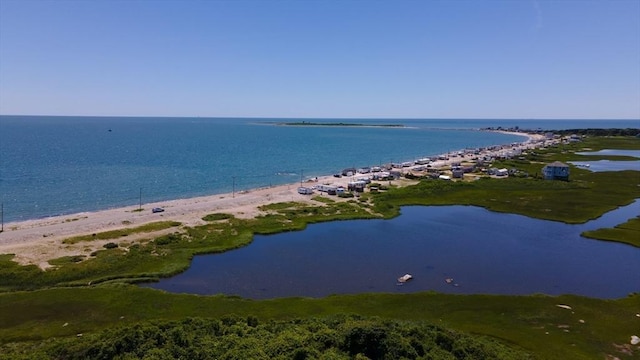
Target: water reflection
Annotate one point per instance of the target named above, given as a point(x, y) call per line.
point(608, 165)
point(483, 251)
point(613, 152)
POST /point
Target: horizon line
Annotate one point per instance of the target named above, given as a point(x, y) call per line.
point(323, 118)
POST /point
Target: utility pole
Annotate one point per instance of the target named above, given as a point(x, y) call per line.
point(233, 194)
point(301, 175)
point(2, 217)
point(140, 206)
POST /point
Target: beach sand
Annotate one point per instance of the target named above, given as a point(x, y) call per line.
point(37, 241)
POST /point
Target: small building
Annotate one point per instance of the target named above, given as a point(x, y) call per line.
point(457, 173)
point(556, 171)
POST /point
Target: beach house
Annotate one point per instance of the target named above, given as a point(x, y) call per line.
point(556, 171)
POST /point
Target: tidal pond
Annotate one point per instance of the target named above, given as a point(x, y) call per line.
point(610, 165)
point(476, 250)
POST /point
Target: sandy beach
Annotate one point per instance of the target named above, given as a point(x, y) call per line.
point(37, 241)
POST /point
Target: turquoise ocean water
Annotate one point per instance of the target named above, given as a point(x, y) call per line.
point(61, 165)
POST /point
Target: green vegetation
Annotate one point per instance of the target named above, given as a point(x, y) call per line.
point(587, 196)
point(110, 245)
point(628, 233)
point(323, 199)
point(535, 324)
point(67, 260)
point(217, 216)
point(114, 234)
point(630, 132)
point(91, 295)
point(232, 337)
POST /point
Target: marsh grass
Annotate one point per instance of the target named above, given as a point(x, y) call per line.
point(628, 233)
point(585, 197)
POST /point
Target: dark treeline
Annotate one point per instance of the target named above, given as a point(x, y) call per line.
point(339, 337)
point(566, 132)
point(600, 132)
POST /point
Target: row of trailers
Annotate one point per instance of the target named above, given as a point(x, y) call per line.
point(354, 186)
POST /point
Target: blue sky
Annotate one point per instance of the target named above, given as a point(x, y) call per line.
point(394, 59)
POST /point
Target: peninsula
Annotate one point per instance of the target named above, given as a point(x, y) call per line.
point(333, 124)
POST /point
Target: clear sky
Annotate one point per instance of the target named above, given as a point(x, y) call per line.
point(263, 58)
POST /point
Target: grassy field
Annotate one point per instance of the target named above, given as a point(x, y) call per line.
point(90, 294)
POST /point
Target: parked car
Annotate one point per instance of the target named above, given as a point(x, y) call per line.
point(157, 210)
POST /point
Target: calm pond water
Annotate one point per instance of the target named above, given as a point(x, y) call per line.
point(484, 252)
point(610, 165)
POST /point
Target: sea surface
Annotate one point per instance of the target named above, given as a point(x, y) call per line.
point(60, 165)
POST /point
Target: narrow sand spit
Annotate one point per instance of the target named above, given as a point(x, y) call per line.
point(36, 241)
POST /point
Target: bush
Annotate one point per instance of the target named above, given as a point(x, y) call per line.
point(337, 337)
point(167, 239)
point(217, 216)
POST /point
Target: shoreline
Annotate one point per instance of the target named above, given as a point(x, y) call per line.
point(36, 239)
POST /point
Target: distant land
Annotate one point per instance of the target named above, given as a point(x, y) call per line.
point(306, 123)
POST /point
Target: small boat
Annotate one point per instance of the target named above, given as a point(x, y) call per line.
point(404, 278)
point(448, 280)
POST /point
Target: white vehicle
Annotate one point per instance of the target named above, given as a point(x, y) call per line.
point(326, 188)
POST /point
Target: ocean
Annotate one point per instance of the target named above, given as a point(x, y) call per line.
point(61, 165)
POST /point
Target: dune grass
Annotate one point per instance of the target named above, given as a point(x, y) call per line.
point(115, 234)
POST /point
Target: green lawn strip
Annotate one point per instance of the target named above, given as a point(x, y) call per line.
point(534, 323)
point(628, 233)
point(115, 234)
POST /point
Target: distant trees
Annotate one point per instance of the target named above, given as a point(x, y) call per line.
point(338, 337)
point(600, 132)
